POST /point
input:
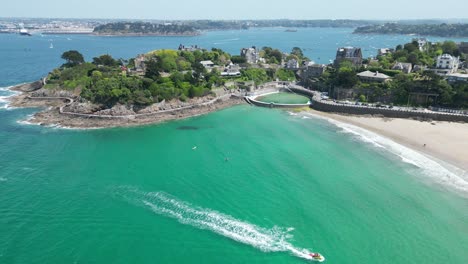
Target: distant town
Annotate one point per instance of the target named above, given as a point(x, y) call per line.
point(446, 28)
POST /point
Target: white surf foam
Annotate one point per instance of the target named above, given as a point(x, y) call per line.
point(3, 99)
point(432, 168)
point(27, 121)
point(4, 103)
point(267, 240)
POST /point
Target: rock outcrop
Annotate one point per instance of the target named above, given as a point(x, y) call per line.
point(117, 110)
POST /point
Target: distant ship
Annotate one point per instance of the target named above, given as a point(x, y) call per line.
point(24, 32)
point(290, 30)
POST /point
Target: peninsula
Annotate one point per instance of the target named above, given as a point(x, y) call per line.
point(144, 29)
point(438, 30)
point(153, 87)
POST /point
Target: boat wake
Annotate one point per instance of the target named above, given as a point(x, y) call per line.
point(264, 239)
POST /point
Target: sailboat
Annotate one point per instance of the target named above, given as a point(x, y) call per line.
point(51, 45)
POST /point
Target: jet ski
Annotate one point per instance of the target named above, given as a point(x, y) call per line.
point(317, 257)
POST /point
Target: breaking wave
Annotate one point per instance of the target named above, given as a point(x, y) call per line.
point(264, 239)
point(4, 103)
point(5, 94)
point(436, 170)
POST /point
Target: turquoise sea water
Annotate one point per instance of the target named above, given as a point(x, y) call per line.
point(242, 185)
point(284, 98)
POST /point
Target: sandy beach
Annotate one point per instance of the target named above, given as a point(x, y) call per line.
point(446, 141)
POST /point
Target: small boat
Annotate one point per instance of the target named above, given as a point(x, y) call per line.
point(51, 46)
point(290, 30)
point(24, 32)
point(317, 257)
point(194, 148)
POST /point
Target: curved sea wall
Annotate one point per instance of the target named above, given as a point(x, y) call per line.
point(276, 87)
point(328, 106)
point(323, 106)
point(274, 105)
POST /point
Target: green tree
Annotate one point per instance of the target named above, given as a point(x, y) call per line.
point(450, 47)
point(297, 52)
point(346, 76)
point(105, 60)
point(285, 75)
point(238, 59)
point(362, 98)
point(73, 57)
point(152, 69)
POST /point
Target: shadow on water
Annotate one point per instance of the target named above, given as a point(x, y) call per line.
point(187, 128)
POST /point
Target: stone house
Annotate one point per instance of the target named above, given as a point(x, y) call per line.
point(403, 66)
point(354, 55)
point(313, 71)
point(251, 55)
point(292, 64)
point(369, 77)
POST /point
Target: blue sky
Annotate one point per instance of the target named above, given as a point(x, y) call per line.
point(236, 9)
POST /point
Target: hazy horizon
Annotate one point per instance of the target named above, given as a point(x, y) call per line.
point(238, 10)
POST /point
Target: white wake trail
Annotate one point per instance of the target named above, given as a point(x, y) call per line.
point(267, 240)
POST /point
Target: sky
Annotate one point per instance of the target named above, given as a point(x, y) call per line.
point(236, 9)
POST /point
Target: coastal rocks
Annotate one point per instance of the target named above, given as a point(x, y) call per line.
point(153, 108)
point(117, 110)
point(82, 108)
point(51, 93)
point(28, 87)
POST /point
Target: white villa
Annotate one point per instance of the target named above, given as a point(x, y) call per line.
point(447, 64)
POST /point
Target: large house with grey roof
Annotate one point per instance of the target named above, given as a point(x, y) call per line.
point(369, 77)
point(354, 55)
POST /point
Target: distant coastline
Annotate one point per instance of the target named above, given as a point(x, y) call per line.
point(122, 34)
point(134, 29)
point(437, 30)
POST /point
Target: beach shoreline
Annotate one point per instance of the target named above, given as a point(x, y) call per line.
point(445, 141)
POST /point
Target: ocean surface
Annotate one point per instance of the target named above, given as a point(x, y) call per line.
point(242, 185)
